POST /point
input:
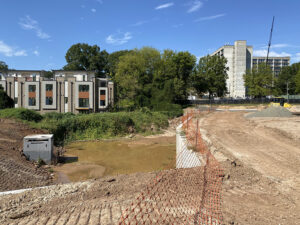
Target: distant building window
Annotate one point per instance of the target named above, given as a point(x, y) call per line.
point(31, 102)
point(1, 87)
point(102, 92)
point(49, 100)
point(84, 102)
point(103, 84)
point(16, 100)
point(102, 102)
point(31, 88)
point(49, 87)
point(84, 88)
point(66, 100)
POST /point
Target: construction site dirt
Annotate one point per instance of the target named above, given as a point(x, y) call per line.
point(15, 171)
point(260, 158)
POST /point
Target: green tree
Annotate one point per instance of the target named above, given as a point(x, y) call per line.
point(297, 83)
point(85, 57)
point(5, 100)
point(210, 76)
point(48, 74)
point(3, 66)
point(258, 81)
point(113, 60)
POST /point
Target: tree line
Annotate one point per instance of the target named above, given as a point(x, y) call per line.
point(157, 80)
point(151, 78)
point(261, 82)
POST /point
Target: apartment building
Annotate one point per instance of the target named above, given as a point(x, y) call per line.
point(276, 63)
point(67, 91)
point(239, 59)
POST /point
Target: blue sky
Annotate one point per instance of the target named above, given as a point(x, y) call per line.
point(36, 34)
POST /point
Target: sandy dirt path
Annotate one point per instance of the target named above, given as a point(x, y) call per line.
point(266, 187)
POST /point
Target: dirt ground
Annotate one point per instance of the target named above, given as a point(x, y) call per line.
point(261, 162)
point(261, 159)
point(15, 171)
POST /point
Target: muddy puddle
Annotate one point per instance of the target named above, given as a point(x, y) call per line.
point(98, 159)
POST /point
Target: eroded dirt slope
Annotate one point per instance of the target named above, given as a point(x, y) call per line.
point(15, 171)
point(262, 167)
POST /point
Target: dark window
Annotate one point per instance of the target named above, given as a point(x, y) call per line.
point(103, 84)
point(84, 88)
point(16, 100)
point(31, 88)
point(102, 102)
point(102, 92)
point(49, 100)
point(84, 102)
point(1, 86)
point(66, 100)
point(32, 102)
point(49, 87)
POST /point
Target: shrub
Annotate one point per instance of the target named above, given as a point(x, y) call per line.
point(21, 114)
point(5, 100)
point(171, 110)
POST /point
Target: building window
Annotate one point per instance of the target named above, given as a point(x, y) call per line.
point(102, 92)
point(102, 102)
point(49, 100)
point(66, 100)
point(16, 100)
point(103, 84)
point(31, 88)
point(84, 88)
point(49, 87)
point(84, 102)
point(32, 102)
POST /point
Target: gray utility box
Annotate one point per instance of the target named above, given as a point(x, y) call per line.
point(39, 147)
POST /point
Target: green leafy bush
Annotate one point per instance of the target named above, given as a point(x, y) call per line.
point(21, 114)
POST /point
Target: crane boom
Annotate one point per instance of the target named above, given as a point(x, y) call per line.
point(270, 40)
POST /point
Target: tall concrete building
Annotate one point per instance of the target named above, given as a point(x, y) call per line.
point(276, 63)
point(67, 91)
point(239, 59)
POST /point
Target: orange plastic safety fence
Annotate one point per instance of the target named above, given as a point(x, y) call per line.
point(185, 195)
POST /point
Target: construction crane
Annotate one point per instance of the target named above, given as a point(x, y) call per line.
point(270, 41)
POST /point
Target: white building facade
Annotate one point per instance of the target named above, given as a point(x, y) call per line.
point(239, 60)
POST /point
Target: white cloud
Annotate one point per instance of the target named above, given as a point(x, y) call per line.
point(140, 23)
point(9, 51)
point(36, 52)
point(115, 40)
point(195, 6)
point(28, 23)
point(164, 6)
point(93, 10)
point(210, 17)
point(263, 53)
point(280, 45)
point(296, 58)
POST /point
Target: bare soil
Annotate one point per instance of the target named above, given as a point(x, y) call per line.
point(261, 159)
point(15, 171)
point(261, 162)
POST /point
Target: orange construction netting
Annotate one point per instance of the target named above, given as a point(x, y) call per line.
point(189, 194)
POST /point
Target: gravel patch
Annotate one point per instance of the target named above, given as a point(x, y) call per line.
point(271, 112)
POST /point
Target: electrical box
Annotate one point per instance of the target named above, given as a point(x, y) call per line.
point(39, 147)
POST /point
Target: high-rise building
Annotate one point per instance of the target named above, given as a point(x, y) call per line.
point(276, 63)
point(239, 59)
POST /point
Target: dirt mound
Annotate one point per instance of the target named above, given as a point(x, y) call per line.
point(15, 171)
point(271, 112)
